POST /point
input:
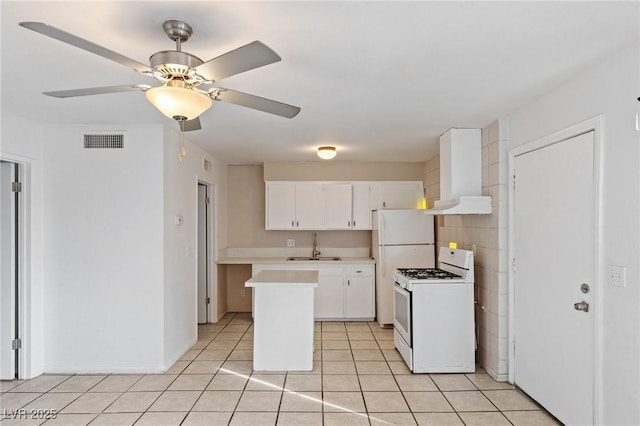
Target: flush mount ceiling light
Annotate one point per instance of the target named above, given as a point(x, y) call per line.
point(176, 99)
point(327, 152)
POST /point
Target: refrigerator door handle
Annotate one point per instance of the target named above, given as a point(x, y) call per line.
point(382, 262)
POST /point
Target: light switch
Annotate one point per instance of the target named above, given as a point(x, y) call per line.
point(616, 275)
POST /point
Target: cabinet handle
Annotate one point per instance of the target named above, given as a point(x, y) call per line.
point(384, 204)
point(354, 223)
point(348, 224)
point(358, 272)
point(297, 223)
point(348, 282)
point(292, 223)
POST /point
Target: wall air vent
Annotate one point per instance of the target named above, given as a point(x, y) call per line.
point(103, 141)
point(206, 164)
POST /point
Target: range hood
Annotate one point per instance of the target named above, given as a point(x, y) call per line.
point(461, 174)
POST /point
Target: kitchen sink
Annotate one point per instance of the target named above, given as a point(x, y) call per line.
point(314, 258)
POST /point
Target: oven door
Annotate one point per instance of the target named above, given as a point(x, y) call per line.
point(402, 312)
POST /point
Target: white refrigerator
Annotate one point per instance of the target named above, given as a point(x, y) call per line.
point(400, 239)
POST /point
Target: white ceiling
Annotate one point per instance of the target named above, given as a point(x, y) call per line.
point(379, 80)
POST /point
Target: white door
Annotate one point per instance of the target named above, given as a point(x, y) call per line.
point(203, 254)
point(554, 246)
point(359, 297)
point(337, 206)
point(8, 270)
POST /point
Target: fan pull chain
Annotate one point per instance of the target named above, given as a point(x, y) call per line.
point(183, 151)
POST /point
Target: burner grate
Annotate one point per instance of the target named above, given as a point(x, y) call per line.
point(427, 274)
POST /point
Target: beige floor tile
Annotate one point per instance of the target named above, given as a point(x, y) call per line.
point(245, 344)
point(372, 367)
point(50, 401)
point(507, 400)
point(383, 335)
point(207, 419)
point(333, 344)
point(266, 382)
point(153, 382)
point(177, 367)
point(317, 369)
point(116, 383)
point(530, 418)
point(469, 401)
point(343, 401)
point(483, 381)
point(259, 401)
point(238, 367)
point(42, 383)
point(399, 367)
point(346, 419)
point(241, 355)
point(301, 401)
point(358, 335)
point(221, 344)
point(415, 382)
point(336, 355)
point(7, 385)
point(357, 326)
point(175, 401)
point(386, 419)
point(334, 335)
point(299, 419)
point(378, 382)
point(385, 402)
point(303, 382)
point(201, 343)
point(427, 402)
point(236, 328)
point(133, 402)
point(391, 355)
point(203, 367)
point(484, 419)
point(340, 382)
point(213, 354)
point(161, 419)
point(229, 336)
point(438, 419)
point(363, 344)
point(223, 400)
point(91, 403)
point(191, 382)
point(116, 419)
point(338, 367)
point(190, 355)
point(228, 382)
point(71, 420)
point(386, 344)
point(452, 382)
point(333, 326)
point(13, 401)
point(367, 355)
point(78, 384)
point(253, 419)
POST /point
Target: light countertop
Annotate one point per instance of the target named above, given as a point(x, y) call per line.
point(267, 260)
point(279, 278)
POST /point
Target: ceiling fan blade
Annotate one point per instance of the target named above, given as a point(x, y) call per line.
point(81, 43)
point(97, 90)
point(245, 58)
point(256, 102)
point(191, 125)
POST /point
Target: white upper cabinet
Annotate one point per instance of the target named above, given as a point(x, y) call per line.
point(337, 206)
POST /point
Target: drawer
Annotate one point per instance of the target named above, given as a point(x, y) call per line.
point(362, 271)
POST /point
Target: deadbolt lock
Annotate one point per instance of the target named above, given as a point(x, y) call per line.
point(581, 306)
point(584, 288)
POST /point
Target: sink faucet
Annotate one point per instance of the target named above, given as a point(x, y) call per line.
point(315, 253)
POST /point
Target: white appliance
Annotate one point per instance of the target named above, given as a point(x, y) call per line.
point(434, 315)
point(401, 239)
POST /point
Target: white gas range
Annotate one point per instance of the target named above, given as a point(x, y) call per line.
point(434, 314)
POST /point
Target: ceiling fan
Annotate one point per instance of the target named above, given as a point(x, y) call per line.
point(186, 90)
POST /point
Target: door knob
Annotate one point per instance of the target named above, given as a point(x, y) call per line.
point(581, 306)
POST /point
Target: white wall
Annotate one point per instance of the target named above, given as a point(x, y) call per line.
point(103, 252)
point(610, 89)
point(21, 142)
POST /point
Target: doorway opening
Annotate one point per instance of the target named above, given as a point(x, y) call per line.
point(207, 288)
point(10, 279)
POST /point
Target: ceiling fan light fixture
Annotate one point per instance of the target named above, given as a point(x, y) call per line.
point(327, 152)
point(174, 99)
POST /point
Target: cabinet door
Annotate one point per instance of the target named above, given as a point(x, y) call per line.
point(280, 204)
point(309, 203)
point(361, 208)
point(337, 206)
point(359, 296)
point(400, 195)
point(329, 297)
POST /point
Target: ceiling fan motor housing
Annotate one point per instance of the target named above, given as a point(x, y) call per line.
point(171, 64)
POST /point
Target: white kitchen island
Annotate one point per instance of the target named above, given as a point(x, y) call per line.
point(283, 319)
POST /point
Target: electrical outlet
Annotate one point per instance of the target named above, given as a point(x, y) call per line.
point(242, 293)
point(616, 275)
point(291, 242)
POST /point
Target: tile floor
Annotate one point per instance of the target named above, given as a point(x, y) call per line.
point(358, 379)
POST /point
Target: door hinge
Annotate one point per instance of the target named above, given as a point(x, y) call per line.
point(207, 200)
point(16, 344)
point(514, 181)
point(208, 300)
point(513, 264)
point(16, 186)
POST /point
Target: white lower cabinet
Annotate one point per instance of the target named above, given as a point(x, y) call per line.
point(343, 293)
